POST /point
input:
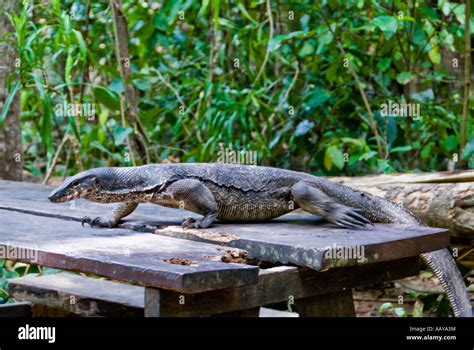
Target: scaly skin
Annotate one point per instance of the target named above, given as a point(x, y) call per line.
point(239, 193)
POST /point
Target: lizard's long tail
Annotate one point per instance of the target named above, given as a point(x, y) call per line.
point(444, 267)
point(441, 261)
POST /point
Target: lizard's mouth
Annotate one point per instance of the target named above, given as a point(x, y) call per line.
point(58, 197)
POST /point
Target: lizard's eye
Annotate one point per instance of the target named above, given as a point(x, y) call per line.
point(74, 184)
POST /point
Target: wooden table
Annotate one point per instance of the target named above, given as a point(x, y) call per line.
point(229, 269)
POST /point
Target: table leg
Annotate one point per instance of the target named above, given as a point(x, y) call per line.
point(159, 303)
point(152, 302)
point(337, 304)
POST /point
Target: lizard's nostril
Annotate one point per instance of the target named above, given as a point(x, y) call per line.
point(53, 197)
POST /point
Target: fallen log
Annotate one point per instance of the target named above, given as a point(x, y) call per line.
point(439, 199)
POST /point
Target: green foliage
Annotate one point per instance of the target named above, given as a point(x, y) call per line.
point(194, 65)
point(388, 307)
point(8, 270)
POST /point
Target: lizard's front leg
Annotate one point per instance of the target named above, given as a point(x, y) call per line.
point(192, 195)
point(121, 211)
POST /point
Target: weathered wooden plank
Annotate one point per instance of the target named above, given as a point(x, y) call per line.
point(318, 247)
point(336, 304)
point(64, 294)
point(22, 309)
point(294, 238)
point(94, 297)
point(79, 295)
point(141, 258)
point(275, 285)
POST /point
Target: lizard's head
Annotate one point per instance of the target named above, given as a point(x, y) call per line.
point(81, 185)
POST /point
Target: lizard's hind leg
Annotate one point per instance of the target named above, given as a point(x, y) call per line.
point(121, 211)
point(315, 201)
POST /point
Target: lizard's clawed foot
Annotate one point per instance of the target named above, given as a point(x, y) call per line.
point(191, 223)
point(97, 222)
point(347, 217)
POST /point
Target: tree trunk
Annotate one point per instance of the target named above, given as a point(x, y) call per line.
point(136, 144)
point(10, 132)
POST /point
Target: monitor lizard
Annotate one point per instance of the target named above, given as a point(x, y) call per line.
point(236, 193)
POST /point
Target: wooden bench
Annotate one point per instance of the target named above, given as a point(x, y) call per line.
point(229, 269)
point(65, 294)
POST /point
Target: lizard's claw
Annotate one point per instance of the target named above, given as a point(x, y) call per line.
point(347, 217)
point(86, 220)
point(190, 223)
point(97, 222)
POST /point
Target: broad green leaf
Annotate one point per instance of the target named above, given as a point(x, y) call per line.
point(108, 98)
point(116, 86)
point(426, 151)
point(384, 64)
point(429, 11)
point(405, 77)
point(445, 8)
point(385, 307)
point(419, 36)
point(142, 84)
point(120, 134)
point(317, 97)
point(161, 21)
point(387, 24)
point(333, 156)
point(435, 55)
point(450, 143)
point(276, 42)
point(323, 40)
point(360, 143)
point(418, 309)
point(306, 50)
point(368, 155)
